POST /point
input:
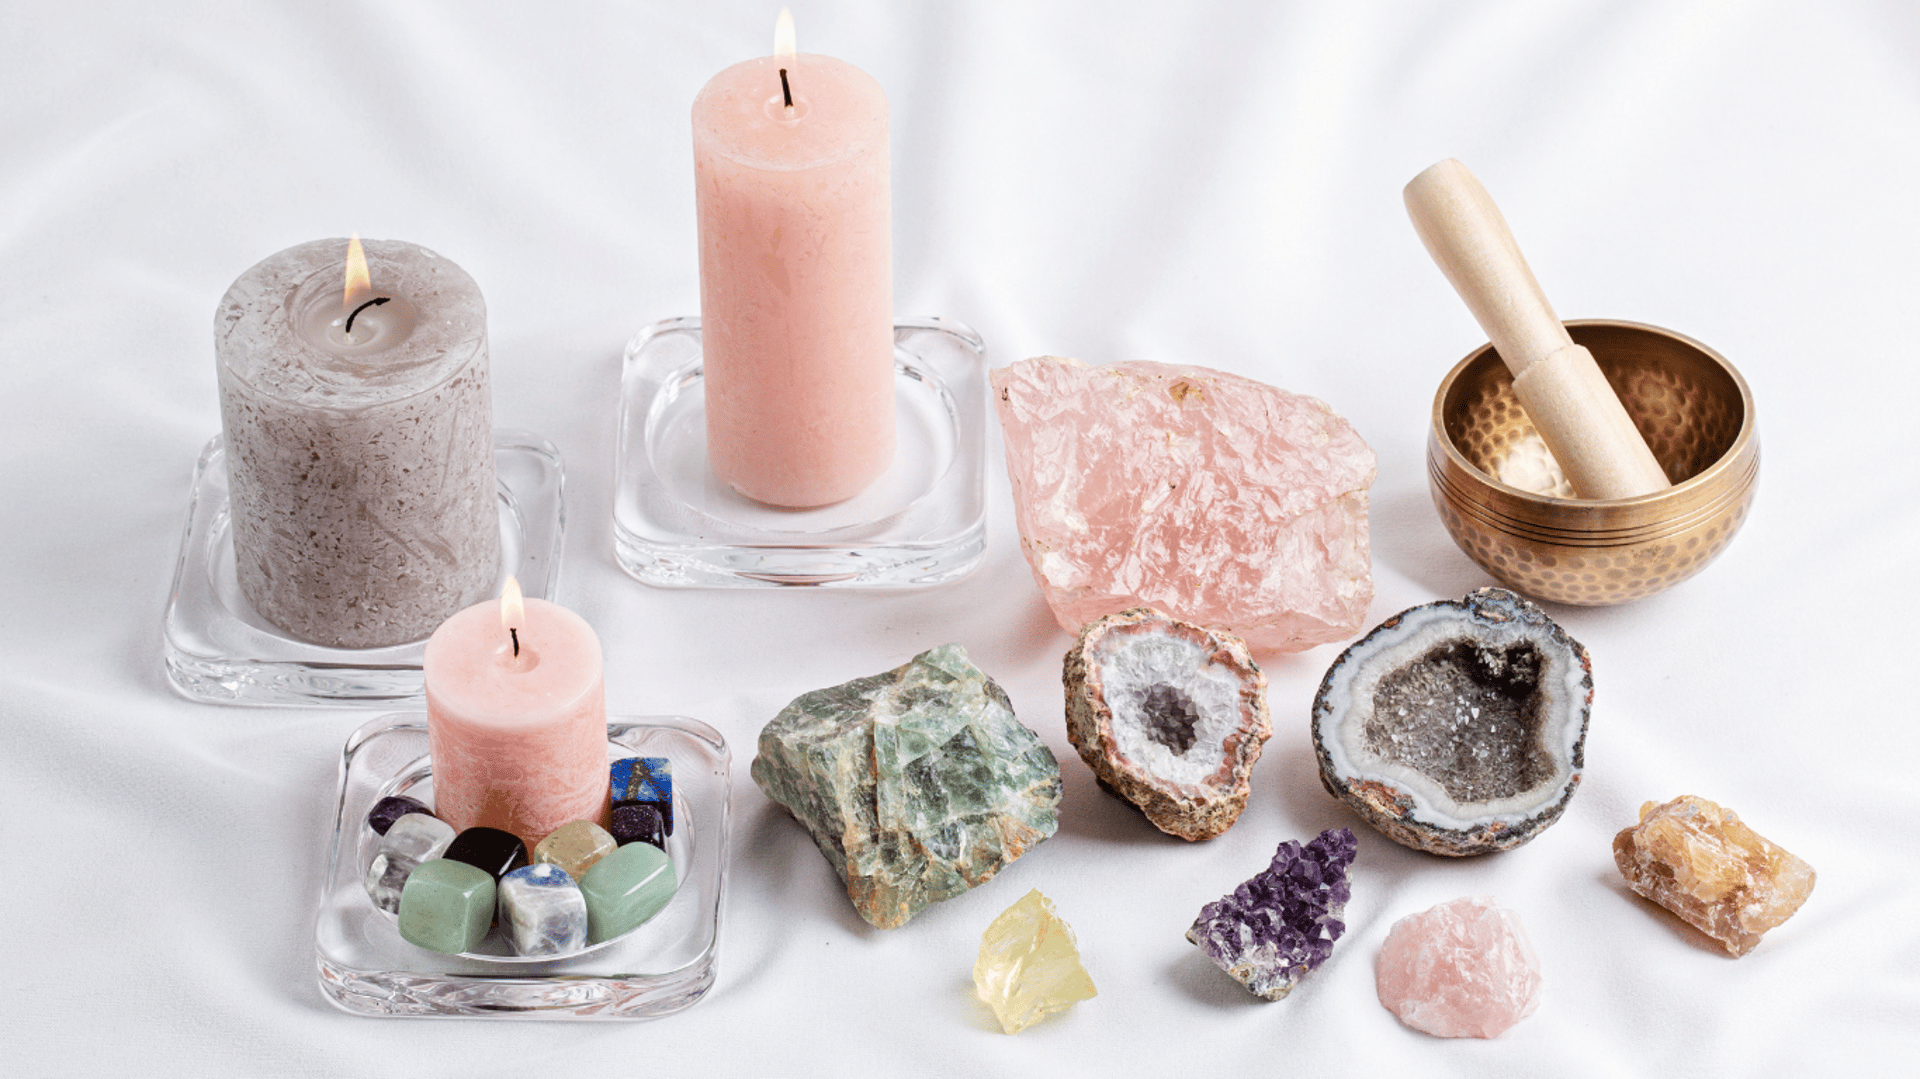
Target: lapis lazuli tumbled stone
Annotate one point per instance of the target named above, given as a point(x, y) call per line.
point(543, 910)
point(491, 849)
point(626, 888)
point(639, 823)
point(410, 840)
point(392, 808)
point(644, 781)
point(447, 906)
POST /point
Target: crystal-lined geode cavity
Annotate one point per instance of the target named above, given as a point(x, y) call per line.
point(916, 784)
point(1169, 715)
point(1280, 925)
point(1458, 727)
point(1701, 861)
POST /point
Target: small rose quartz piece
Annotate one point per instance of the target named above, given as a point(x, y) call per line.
point(1461, 970)
point(1698, 860)
point(1217, 499)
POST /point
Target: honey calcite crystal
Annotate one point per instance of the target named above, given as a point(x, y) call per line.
point(1029, 966)
point(1704, 864)
point(1170, 716)
point(1217, 499)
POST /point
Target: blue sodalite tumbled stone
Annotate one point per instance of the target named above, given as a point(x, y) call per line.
point(408, 841)
point(392, 808)
point(1282, 923)
point(639, 823)
point(543, 910)
point(644, 781)
point(491, 849)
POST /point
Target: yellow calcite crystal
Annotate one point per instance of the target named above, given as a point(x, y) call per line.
point(1704, 864)
point(1029, 967)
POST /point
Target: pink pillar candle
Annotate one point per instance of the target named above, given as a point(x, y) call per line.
point(518, 742)
point(796, 278)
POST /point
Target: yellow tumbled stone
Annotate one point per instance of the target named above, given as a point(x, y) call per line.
point(576, 847)
point(1700, 861)
point(1029, 967)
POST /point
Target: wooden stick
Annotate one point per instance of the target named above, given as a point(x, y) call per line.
point(1577, 413)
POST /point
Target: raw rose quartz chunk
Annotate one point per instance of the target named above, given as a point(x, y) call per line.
point(1217, 499)
point(1461, 970)
point(1701, 862)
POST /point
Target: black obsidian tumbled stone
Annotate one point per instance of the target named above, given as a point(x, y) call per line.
point(639, 822)
point(490, 849)
point(392, 808)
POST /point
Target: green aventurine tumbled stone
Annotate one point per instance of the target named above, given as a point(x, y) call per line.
point(447, 906)
point(916, 784)
point(626, 888)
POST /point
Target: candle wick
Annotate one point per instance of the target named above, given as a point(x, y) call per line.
point(363, 307)
point(785, 90)
point(515, 634)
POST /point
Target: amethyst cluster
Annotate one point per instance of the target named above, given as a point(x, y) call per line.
point(1282, 923)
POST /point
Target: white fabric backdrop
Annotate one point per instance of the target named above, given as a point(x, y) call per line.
point(1210, 182)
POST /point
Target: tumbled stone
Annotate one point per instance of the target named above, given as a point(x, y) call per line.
point(1280, 924)
point(1170, 716)
point(916, 784)
point(644, 781)
point(496, 851)
point(543, 911)
point(575, 846)
point(639, 823)
point(626, 888)
point(392, 808)
point(1029, 967)
point(1701, 861)
point(408, 841)
point(1463, 969)
point(447, 906)
point(1457, 727)
point(1217, 499)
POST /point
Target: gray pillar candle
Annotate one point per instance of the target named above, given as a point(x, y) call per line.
point(360, 463)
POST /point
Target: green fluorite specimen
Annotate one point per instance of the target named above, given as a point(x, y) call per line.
point(916, 784)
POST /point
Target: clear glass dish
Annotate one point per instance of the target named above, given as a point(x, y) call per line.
point(663, 966)
point(217, 649)
point(921, 524)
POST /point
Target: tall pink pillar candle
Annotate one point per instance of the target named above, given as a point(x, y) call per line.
point(519, 742)
point(796, 278)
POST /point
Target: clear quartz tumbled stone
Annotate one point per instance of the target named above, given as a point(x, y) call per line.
point(414, 838)
point(543, 911)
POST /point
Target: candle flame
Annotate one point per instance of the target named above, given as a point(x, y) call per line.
point(513, 610)
point(359, 282)
point(783, 39)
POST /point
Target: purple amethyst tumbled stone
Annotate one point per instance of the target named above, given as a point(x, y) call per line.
point(392, 808)
point(1282, 923)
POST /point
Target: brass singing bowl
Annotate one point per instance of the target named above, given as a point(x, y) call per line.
point(1696, 414)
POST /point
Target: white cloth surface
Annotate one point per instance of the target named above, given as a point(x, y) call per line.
point(1214, 182)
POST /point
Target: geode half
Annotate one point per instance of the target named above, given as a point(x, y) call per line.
point(916, 784)
point(1458, 727)
point(1280, 925)
point(1169, 715)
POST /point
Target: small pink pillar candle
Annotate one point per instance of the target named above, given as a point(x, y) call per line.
point(796, 278)
point(519, 742)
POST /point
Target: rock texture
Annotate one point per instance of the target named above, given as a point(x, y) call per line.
point(1464, 969)
point(1704, 864)
point(1277, 927)
point(1457, 728)
point(1170, 716)
point(916, 784)
point(1029, 966)
point(1220, 500)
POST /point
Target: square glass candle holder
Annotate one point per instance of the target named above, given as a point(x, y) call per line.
point(665, 965)
point(921, 524)
point(218, 649)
